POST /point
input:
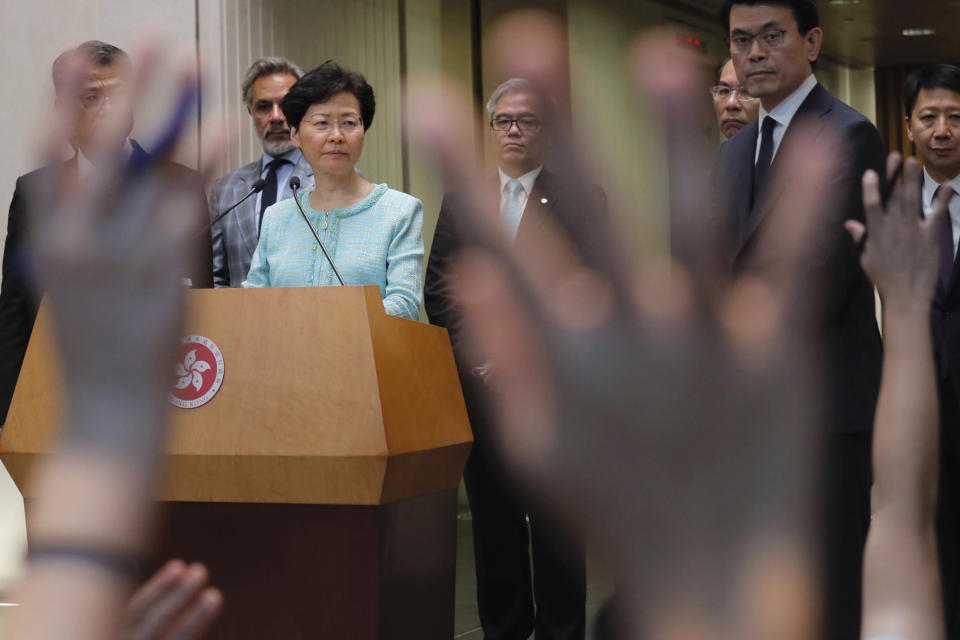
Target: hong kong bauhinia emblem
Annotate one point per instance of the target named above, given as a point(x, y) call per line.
point(198, 373)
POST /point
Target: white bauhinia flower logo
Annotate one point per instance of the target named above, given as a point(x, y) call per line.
point(188, 371)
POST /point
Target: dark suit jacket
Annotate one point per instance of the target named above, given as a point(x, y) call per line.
point(447, 243)
point(945, 328)
point(19, 299)
point(847, 327)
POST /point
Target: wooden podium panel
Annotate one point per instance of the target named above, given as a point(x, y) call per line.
point(319, 484)
point(300, 572)
point(325, 400)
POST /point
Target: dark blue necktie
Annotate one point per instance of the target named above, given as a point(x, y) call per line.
point(761, 172)
point(269, 194)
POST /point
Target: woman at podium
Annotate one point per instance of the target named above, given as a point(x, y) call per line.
point(364, 233)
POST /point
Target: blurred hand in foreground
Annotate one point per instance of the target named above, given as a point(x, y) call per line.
point(110, 251)
point(667, 413)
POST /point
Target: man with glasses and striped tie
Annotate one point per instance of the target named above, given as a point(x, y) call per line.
point(512, 600)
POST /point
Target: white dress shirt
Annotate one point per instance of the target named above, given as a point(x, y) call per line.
point(929, 190)
point(526, 181)
point(783, 113)
point(86, 168)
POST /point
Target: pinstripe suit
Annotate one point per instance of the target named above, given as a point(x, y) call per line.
point(235, 237)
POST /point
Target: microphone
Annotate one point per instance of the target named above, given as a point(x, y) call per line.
point(294, 185)
point(257, 187)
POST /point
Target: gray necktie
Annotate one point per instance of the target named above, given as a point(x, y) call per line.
point(513, 208)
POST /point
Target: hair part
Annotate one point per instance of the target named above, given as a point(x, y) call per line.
point(937, 76)
point(267, 67)
point(320, 84)
point(96, 52)
point(804, 12)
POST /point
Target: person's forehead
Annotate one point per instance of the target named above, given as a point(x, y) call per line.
point(937, 97)
point(273, 85)
point(729, 75)
point(517, 102)
point(107, 75)
point(341, 103)
point(761, 16)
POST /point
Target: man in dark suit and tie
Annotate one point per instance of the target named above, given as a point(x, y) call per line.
point(512, 603)
point(95, 105)
point(931, 99)
point(774, 45)
point(236, 235)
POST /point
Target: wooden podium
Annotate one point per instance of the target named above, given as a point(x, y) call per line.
point(319, 484)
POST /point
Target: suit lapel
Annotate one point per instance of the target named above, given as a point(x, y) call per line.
point(741, 178)
point(246, 214)
point(818, 104)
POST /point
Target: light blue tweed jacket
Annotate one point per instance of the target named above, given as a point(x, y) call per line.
point(378, 240)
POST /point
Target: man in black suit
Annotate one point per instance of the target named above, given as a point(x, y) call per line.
point(506, 590)
point(931, 98)
point(774, 45)
point(94, 104)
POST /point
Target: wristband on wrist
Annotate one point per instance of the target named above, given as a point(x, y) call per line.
point(119, 562)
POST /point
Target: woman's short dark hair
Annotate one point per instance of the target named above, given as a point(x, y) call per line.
point(804, 12)
point(938, 76)
point(320, 84)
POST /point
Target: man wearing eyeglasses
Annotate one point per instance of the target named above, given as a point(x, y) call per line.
point(99, 105)
point(735, 107)
point(774, 45)
point(512, 600)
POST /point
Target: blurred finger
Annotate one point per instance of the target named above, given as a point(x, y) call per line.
point(910, 198)
point(798, 221)
point(670, 80)
point(155, 588)
point(532, 45)
point(499, 328)
point(445, 116)
point(872, 204)
point(856, 230)
point(197, 617)
point(164, 609)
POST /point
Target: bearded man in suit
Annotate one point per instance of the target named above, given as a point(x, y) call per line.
point(236, 234)
point(512, 601)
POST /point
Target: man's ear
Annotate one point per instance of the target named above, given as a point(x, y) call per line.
point(814, 41)
point(909, 124)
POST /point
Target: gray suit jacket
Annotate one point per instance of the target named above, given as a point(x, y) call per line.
point(235, 236)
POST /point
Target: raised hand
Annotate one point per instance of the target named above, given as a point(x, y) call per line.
point(901, 254)
point(902, 588)
point(668, 414)
point(111, 252)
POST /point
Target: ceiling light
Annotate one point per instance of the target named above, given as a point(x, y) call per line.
point(918, 32)
point(845, 1)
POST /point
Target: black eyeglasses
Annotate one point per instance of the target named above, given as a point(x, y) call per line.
point(524, 123)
